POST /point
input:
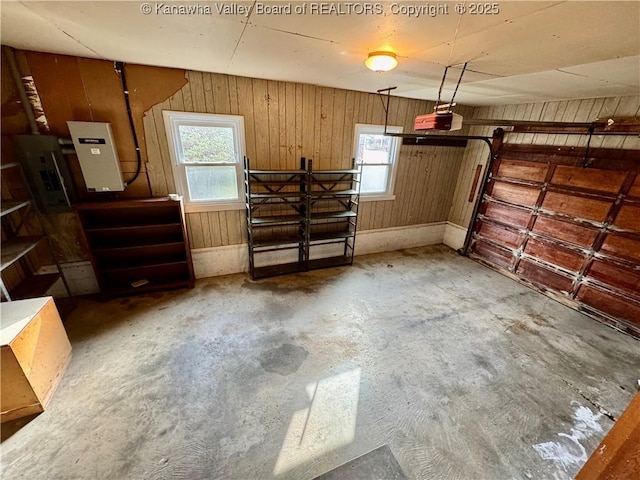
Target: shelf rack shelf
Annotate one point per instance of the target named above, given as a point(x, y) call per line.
point(19, 277)
point(299, 220)
point(137, 245)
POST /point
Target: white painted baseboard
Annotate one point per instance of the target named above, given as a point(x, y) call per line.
point(454, 236)
point(80, 278)
point(210, 262)
point(215, 261)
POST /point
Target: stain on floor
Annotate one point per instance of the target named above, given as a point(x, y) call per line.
point(284, 360)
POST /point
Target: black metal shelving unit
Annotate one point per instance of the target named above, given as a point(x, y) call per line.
point(299, 220)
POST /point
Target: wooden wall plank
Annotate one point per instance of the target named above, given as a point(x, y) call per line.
point(209, 96)
point(161, 134)
point(155, 171)
point(214, 227)
point(337, 129)
point(324, 161)
point(273, 122)
point(196, 81)
point(245, 103)
point(287, 122)
point(221, 94)
point(261, 125)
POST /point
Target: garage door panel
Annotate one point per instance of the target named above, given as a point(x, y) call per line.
point(515, 194)
point(609, 303)
point(621, 247)
point(493, 254)
point(628, 218)
point(506, 214)
point(500, 234)
point(536, 273)
point(634, 191)
point(555, 254)
point(618, 276)
point(589, 179)
point(566, 231)
point(532, 171)
point(578, 207)
point(579, 235)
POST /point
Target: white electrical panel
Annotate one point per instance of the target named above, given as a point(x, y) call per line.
point(94, 145)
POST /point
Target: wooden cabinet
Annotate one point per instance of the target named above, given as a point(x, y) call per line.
point(137, 245)
point(35, 354)
point(302, 219)
point(25, 245)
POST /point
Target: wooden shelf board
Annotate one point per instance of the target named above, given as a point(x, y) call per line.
point(136, 247)
point(16, 248)
point(149, 287)
point(123, 228)
point(10, 206)
point(140, 267)
point(34, 286)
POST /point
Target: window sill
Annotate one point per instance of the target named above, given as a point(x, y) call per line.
point(376, 198)
point(209, 207)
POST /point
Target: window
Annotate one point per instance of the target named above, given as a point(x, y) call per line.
point(206, 154)
point(378, 155)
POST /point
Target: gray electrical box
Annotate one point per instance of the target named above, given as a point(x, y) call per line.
point(46, 171)
point(97, 155)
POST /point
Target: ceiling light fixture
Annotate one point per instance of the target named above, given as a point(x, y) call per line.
point(381, 61)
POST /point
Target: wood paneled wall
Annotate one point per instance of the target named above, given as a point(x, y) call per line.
point(585, 110)
point(74, 88)
point(285, 121)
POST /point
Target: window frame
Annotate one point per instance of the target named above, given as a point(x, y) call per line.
point(172, 121)
point(371, 129)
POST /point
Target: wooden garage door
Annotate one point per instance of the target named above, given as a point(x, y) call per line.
point(568, 231)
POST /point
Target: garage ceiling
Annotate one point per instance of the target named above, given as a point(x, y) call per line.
point(528, 51)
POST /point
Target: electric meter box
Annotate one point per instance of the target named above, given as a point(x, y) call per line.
point(94, 145)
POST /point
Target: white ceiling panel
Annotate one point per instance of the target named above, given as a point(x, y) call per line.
point(570, 33)
point(528, 50)
point(19, 24)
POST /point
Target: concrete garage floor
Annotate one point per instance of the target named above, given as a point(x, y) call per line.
point(461, 372)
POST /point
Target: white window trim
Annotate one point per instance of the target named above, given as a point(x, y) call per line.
point(379, 130)
point(172, 121)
